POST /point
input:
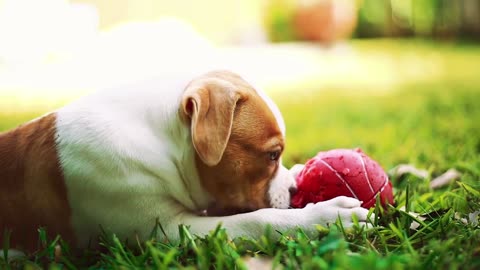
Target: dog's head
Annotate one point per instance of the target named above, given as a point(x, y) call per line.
point(239, 137)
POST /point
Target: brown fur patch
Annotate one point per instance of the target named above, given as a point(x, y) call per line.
point(240, 181)
point(32, 190)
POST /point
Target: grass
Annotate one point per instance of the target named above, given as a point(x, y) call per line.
point(432, 124)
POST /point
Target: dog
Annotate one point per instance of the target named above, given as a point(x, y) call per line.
point(161, 151)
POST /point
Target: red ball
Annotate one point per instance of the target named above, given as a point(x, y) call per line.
point(342, 172)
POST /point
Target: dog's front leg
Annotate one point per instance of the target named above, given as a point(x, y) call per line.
point(253, 224)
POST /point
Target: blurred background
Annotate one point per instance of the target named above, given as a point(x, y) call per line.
point(53, 51)
point(57, 49)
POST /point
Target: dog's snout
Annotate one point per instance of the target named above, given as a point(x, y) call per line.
point(292, 190)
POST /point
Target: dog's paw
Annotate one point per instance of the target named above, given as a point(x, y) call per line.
point(343, 202)
point(344, 208)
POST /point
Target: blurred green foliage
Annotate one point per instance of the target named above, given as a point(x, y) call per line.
point(446, 19)
point(279, 20)
point(434, 18)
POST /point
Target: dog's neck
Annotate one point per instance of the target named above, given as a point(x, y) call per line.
point(198, 199)
point(145, 125)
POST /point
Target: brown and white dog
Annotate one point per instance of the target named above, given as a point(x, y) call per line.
point(161, 150)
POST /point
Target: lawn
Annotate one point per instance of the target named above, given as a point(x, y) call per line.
point(432, 123)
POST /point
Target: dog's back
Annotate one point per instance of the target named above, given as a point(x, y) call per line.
point(32, 190)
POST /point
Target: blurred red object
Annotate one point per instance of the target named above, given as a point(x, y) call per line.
point(342, 172)
point(325, 20)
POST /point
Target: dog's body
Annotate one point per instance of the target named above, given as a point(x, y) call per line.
point(159, 151)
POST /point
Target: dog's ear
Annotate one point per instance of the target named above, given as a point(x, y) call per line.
point(210, 104)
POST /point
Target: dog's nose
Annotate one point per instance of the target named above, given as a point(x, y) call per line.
point(292, 190)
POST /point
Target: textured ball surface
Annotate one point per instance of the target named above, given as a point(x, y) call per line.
point(342, 172)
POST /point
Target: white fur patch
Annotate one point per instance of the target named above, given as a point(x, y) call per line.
point(127, 145)
point(279, 192)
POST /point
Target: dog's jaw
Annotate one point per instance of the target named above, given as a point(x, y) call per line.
point(279, 190)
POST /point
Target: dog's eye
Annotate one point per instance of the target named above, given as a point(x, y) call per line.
point(274, 156)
